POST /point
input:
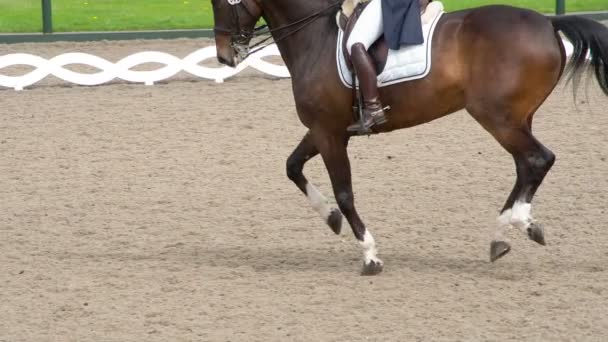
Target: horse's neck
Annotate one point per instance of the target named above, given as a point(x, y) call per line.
point(309, 45)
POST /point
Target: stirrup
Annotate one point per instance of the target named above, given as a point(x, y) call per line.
point(379, 116)
point(369, 120)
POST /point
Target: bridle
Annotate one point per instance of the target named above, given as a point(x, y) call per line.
point(240, 36)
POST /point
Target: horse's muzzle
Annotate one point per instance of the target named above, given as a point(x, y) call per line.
point(239, 53)
point(226, 53)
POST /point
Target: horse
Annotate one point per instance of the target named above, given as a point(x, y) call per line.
point(498, 62)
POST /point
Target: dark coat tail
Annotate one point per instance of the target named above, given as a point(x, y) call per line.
point(402, 23)
point(587, 36)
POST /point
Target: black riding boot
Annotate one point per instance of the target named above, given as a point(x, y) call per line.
point(373, 113)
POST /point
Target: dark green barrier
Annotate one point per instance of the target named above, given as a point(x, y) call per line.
point(47, 16)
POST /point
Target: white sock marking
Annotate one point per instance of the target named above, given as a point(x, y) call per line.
point(318, 201)
point(518, 217)
point(369, 248)
point(521, 217)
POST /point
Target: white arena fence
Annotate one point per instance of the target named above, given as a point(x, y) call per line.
point(122, 69)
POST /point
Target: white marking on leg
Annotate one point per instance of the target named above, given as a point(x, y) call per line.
point(369, 248)
point(318, 201)
point(521, 218)
point(518, 217)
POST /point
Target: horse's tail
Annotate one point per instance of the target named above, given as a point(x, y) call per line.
point(587, 36)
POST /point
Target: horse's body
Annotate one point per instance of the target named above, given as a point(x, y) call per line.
point(498, 62)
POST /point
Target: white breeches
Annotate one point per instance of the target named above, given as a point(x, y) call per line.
point(369, 27)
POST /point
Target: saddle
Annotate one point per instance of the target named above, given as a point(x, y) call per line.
point(347, 18)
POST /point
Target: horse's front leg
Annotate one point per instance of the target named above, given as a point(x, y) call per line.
point(305, 151)
point(333, 149)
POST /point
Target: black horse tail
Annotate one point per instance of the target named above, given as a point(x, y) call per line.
point(587, 37)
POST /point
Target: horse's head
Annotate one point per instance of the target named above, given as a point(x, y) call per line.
point(234, 25)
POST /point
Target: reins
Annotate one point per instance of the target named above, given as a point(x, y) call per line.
point(302, 22)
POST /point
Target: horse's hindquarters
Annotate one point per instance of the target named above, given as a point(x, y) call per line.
point(513, 62)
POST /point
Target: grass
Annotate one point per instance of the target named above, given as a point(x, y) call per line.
point(114, 15)
point(106, 15)
point(543, 6)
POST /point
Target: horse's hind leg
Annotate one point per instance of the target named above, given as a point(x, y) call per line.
point(532, 161)
point(305, 151)
point(509, 80)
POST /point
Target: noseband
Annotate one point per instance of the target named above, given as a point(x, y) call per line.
point(239, 34)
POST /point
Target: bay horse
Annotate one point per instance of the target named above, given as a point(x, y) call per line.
point(498, 62)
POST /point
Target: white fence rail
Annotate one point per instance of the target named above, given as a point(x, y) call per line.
point(122, 69)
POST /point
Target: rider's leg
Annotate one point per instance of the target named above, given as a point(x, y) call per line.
point(369, 27)
point(367, 30)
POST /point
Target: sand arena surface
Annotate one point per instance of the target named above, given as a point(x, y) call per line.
point(134, 213)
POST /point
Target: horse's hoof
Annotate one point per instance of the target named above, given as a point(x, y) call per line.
point(498, 249)
point(536, 233)
point(372, 268)
point(334, 221)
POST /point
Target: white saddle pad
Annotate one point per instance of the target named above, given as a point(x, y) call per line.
point(406, 64)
